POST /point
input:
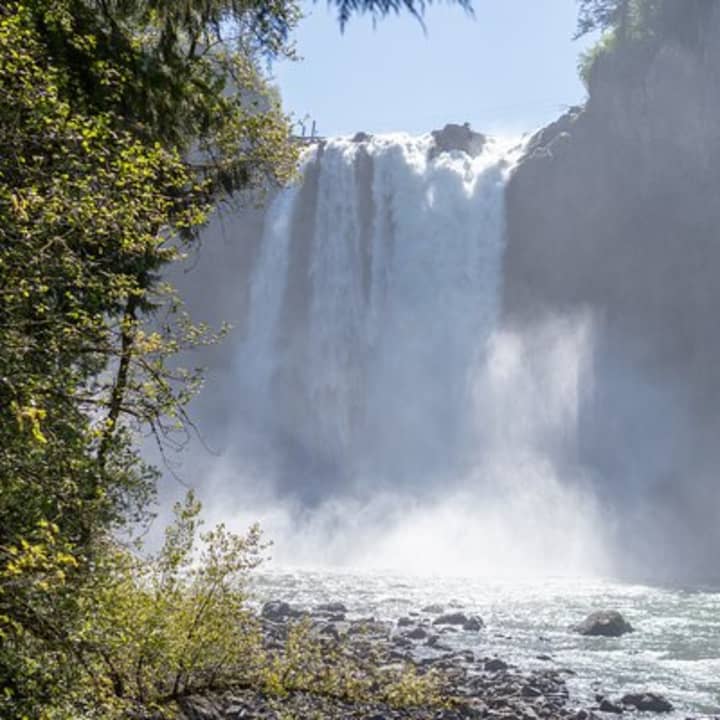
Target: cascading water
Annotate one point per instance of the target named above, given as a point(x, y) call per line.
point(373, 299)
point(376, 413)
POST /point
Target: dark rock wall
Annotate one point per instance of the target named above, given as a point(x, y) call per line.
point(615, 210)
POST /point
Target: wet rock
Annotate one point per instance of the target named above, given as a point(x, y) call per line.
point(458, 137)
point(608, 706)
point(434, 642)
point(433, 609)
point(416, 633)
point(279, 611)
point(456, 618)
point(331, 607)
point(604, 623)
point(495, 665)
point(473, 624)
point(361, 136)
point(647, 702)
point(405, 622)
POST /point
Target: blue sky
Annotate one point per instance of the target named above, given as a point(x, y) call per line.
point(510, 69)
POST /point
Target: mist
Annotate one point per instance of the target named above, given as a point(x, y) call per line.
point(376, 407)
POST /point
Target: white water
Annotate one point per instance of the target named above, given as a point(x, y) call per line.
point(675, 649)
point(379, 416)
point(369, 363)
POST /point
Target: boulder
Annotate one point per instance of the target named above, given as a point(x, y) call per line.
point(433, 609)
point(456, 618)
point(416, 633)
point(604, 623)
point(608, 706)
point(647, 702)
point(473, 624)
point(278, 611)
point(458, 137)
point(495, 665)
point(334, 608)
point(361, 137)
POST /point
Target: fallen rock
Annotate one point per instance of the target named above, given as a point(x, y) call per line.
point(604, 623)
point(647, 702)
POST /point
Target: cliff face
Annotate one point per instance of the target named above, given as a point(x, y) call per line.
point(617, 205)
point(615, 211)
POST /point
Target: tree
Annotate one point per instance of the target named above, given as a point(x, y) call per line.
point(380, 8)
point(123, 123)
point(601, 15)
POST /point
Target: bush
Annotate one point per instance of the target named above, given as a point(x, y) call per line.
point(154, 630)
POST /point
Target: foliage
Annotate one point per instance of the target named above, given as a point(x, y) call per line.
point(380, 8)
point(112, 149)
point(123, 123)
point(142, 633)
point(353, 671)
point(633, 30)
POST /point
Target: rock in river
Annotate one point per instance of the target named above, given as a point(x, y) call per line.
point(604, 623)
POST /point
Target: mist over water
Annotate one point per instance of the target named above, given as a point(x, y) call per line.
point(374, 412)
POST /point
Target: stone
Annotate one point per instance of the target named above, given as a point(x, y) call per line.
point(495, 665)
point(458, 137)
point(608, 706)
point(331, 607)
point(361, 137)
point(433, 609)
point(647, 702)
point(604, 623)
point(473, 624)
point(278, 611)
point(456, 618)
point(416, 633)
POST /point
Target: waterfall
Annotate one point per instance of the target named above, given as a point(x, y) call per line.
point(374, 296)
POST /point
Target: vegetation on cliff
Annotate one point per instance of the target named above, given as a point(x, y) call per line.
point(635, 29)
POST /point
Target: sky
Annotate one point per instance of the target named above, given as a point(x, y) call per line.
point(510, 69)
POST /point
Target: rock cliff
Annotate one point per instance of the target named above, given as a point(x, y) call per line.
point(615, 211)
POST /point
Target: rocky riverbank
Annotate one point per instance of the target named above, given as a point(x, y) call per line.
point(473, 685)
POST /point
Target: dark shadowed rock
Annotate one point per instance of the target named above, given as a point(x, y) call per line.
point(331, 607)
point(473, 624)
point(458, 137)
point(608, 706)
point(647, 702)
point(361, 136)
point(279, 611)
point(604, 623)
point(495, 665)
point(416, 633)
point(456, 618)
